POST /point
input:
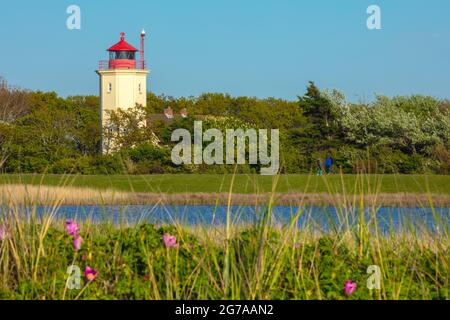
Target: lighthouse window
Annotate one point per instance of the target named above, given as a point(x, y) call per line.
point(109, 87)
point(140, 89)
point(130, 55)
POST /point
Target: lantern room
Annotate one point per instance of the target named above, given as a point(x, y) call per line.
point(122, 55)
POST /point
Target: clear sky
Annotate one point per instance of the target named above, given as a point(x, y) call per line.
point(243, 47)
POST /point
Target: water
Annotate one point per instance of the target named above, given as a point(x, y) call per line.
point(322, 218)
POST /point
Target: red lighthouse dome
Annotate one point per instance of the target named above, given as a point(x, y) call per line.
point(122, 55)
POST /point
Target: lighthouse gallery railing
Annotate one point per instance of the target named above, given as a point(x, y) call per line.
point(105, 65)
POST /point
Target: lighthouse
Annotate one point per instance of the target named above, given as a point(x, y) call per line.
point(123, 79)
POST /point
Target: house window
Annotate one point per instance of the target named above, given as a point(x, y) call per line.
point(109, 87)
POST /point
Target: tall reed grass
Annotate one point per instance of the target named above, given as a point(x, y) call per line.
point(263, 260)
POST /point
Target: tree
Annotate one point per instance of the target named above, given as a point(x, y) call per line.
point(13, 102)
point(126, 129)
point(87, 128)
point(317, 108)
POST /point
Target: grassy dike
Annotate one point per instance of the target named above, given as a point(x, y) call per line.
point(291, 190)
point(243, 184)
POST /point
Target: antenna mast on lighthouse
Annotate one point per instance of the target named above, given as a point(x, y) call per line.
point(142, 50)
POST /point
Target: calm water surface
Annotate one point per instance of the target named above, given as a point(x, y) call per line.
point(387, 218)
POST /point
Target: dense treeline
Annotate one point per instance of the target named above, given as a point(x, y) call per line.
point(41, 132)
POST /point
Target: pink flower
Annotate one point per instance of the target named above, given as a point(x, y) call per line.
point(169, 241)
point(71, 227)
point(349, 287)
point(3, 233)
point(297, 245)
point(90, 273)
point(77, 242)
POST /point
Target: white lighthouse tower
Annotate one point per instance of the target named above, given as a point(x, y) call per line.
point(123, 79)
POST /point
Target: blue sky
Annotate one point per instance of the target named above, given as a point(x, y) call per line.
point(243, 47)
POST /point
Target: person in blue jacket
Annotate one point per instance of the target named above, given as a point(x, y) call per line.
point(329, 161)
